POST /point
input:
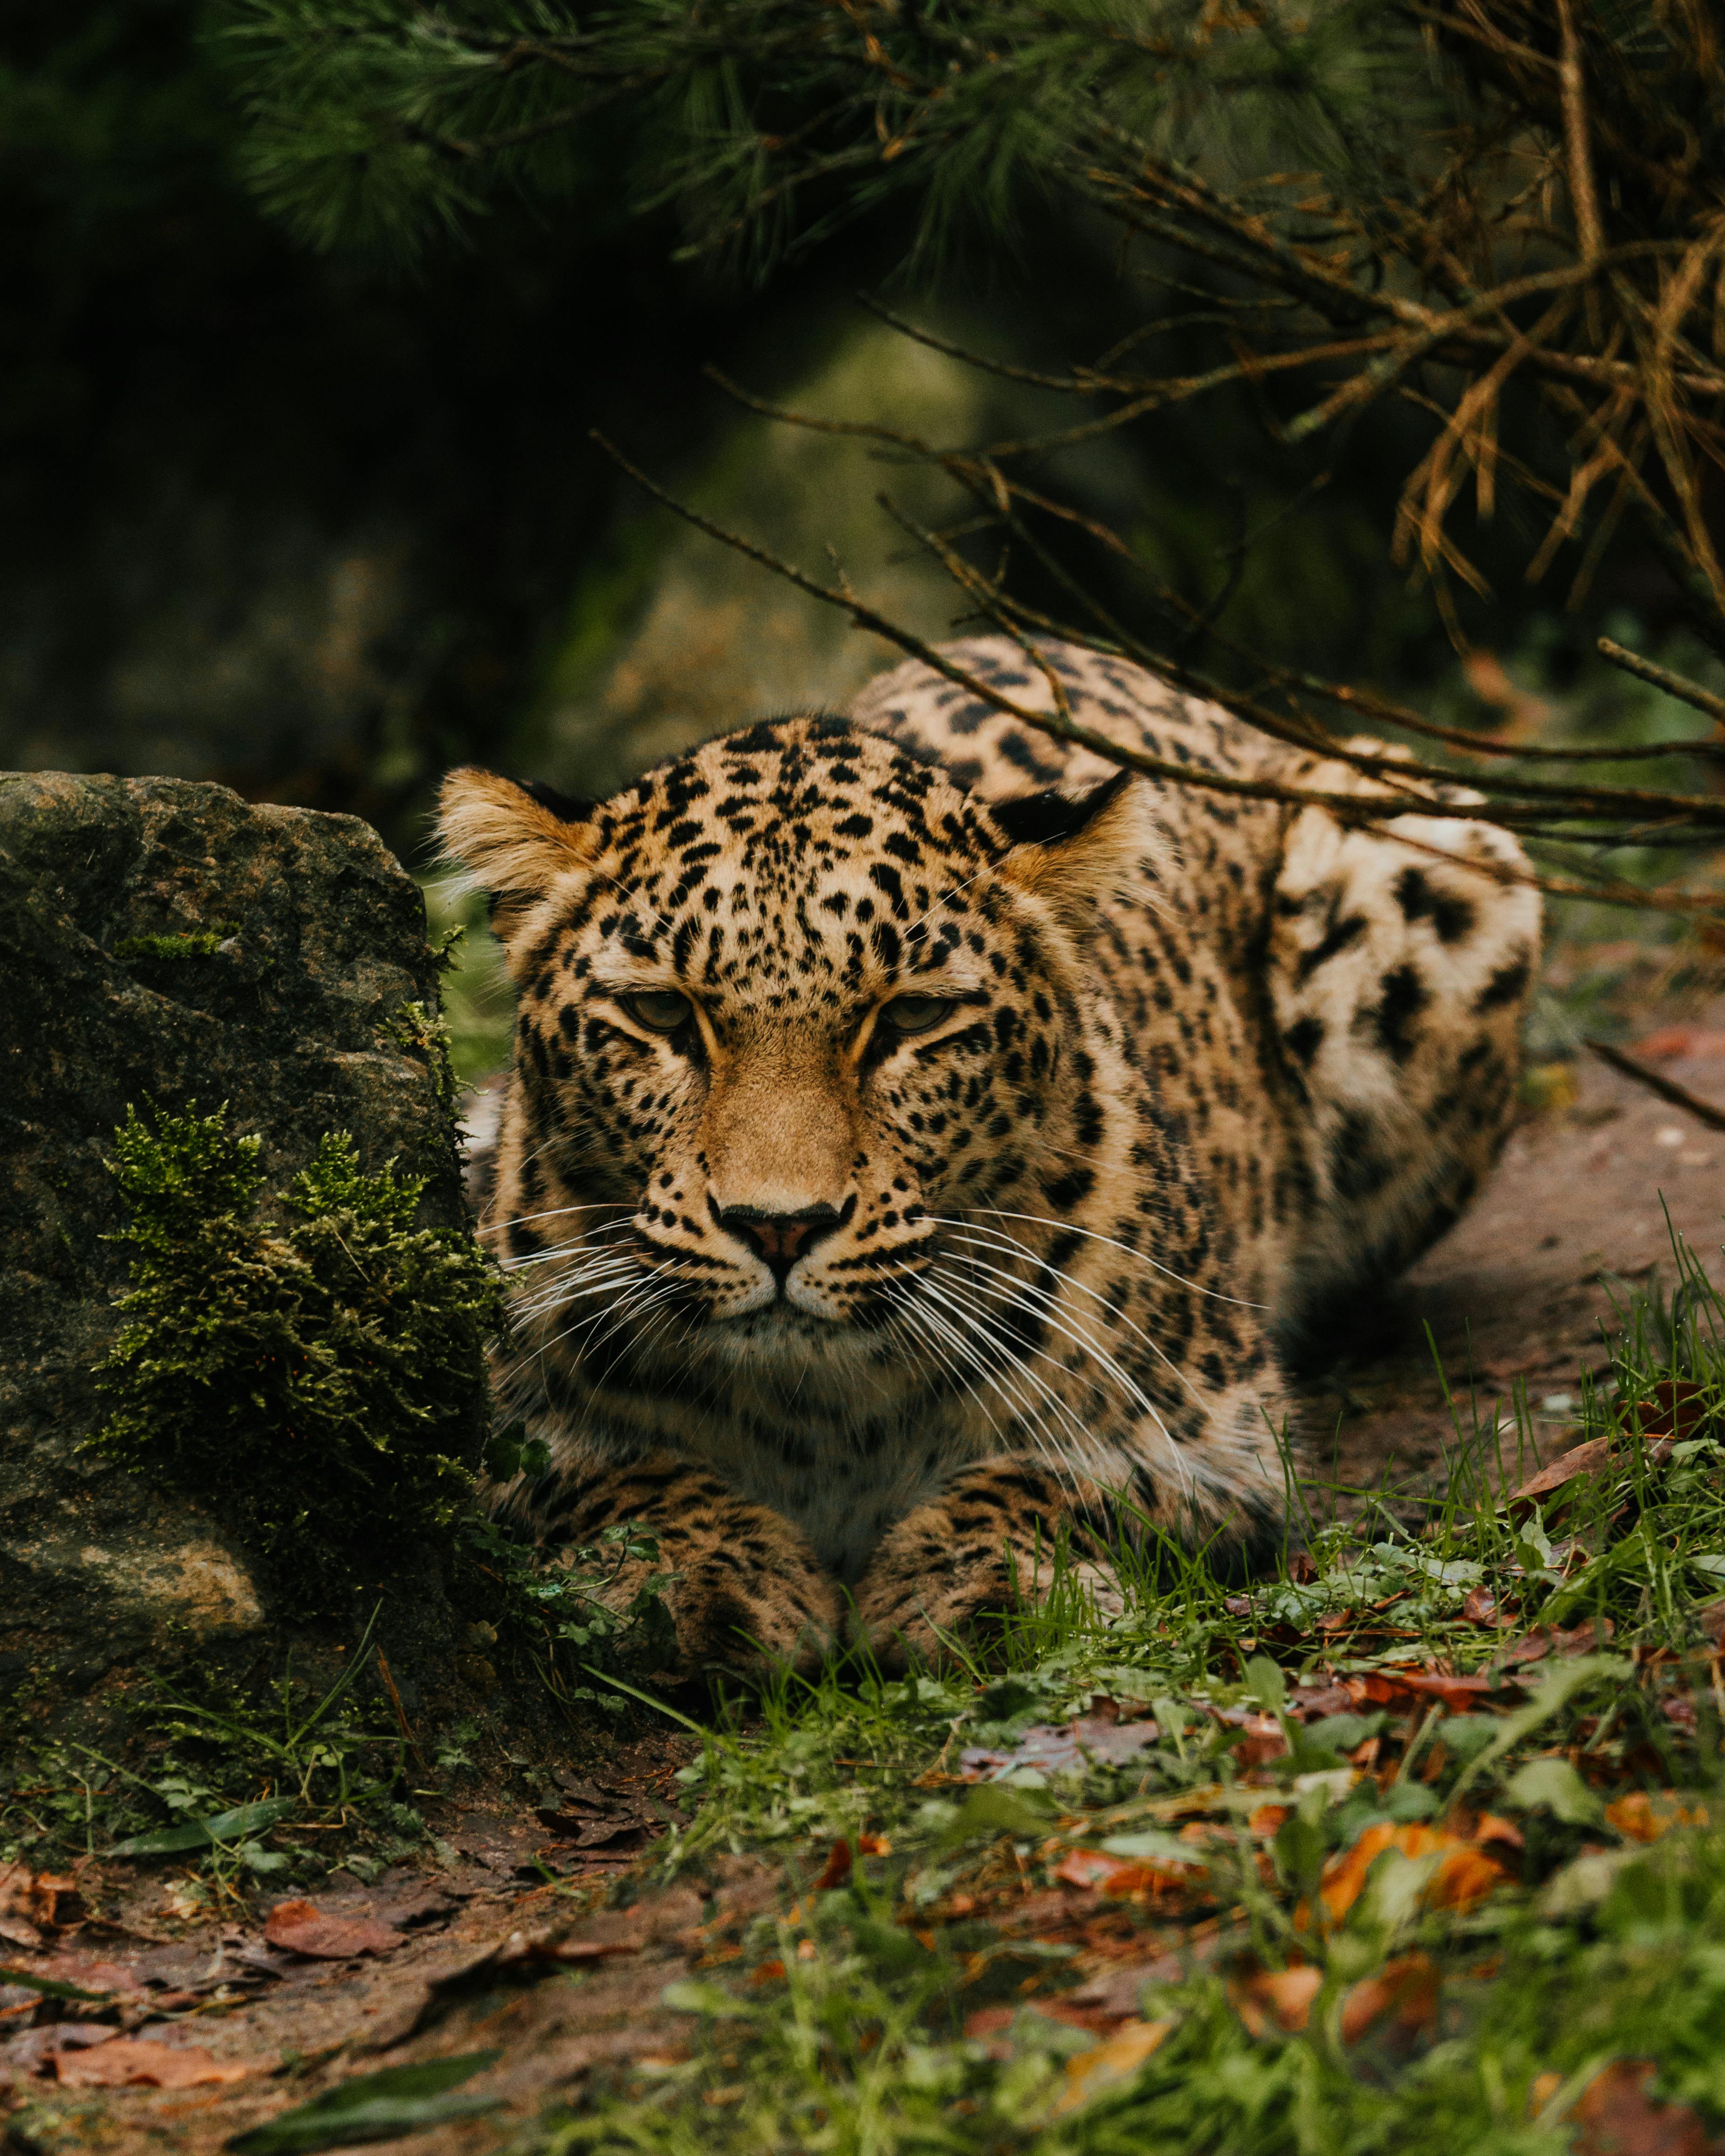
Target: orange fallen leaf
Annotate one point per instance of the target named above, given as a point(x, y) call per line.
point(136, 2062)
point(1466, 1875)
point(1108, 2063)
point(1540, 2091)
point(1406, 1987)
point(302, 1927)
point(1281, 1995)
point(769, 1972)
point(1644, 1817)
point(1265, 1821)
point(873, 1845)
point(1121, 1875)
point(1672, 1041)
point(837, 1868)
point(1618, 2117)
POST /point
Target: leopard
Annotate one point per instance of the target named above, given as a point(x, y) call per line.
point(928, 1144)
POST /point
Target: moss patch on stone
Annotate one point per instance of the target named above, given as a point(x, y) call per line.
point(313, 1368)
point(194, 943)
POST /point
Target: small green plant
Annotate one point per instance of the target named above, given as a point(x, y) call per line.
point(193, 943)
point(320, 1381)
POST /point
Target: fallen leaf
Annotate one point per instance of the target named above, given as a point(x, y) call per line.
point(1670, 1042)
point(73, 1976)
point(1644, 1817)
point(873, 1845)
point(1115, 2060)
point(1283, 1996)
point(137, 2062)
point(1480, 1606)
point(383, 2107)
point(1465, 1875)
point(1540, 2090)
point(837, 1868)
point(1676, 1408)
point(1618, 2117)
point(1589, 1459)
point(32, 1901)
point(1123, 1875)
point(1460, 1693)
point(1406, 1988)
point(1312, 1702)
point(1096, 1739)
point(301, 1928)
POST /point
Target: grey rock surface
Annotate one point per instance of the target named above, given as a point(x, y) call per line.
point(295, 940)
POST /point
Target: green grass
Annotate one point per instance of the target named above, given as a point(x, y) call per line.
point(842, 2026)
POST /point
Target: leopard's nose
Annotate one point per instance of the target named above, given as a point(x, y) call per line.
point(780, 1239)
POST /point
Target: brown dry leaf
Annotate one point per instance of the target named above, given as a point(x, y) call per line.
point(1281, 1995)
point(1479, 1606)
point(1406, 1987)
point(1466, 1875)
point(1644, 1815)
point(836, 1870)
point(1618, 2117)
point(1672, 1041)
point(1675, 1408)
point(1395, 1686)
point(136, 2062)
point(1589, 1459)
point(32, 1901)
point(1115, 2059)
point(1123, 1875)
point(1051, 1749)
point(302, 1927)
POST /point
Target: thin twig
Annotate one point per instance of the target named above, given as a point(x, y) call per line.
point(407, 1736)
point(1661, 677)
point(1667, 1089)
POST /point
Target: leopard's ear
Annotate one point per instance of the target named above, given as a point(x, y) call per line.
point(514, 840)
point(1075, 851)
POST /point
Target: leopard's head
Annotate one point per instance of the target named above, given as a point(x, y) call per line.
point(789, 1009)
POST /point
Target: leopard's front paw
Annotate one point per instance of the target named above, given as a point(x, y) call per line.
point(998, 1538)
point(737, 1612)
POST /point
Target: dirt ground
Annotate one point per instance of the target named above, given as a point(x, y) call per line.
point(1582, 1210)
point(511, 1947)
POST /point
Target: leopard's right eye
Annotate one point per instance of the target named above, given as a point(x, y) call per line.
point(660, 1010)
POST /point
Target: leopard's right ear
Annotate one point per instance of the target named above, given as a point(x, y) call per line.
point(514, 839)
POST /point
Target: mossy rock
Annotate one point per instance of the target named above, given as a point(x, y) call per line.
point(166, 943)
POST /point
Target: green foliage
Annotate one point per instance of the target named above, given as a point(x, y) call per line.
point(320, 1381)
point(382, 124)
point(376, 2106)
point(196, 943)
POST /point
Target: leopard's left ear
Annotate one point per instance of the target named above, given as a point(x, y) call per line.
point(514, 840)
point(1075, 850)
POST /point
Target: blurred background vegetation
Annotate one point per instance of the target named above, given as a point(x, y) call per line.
point(317, 516)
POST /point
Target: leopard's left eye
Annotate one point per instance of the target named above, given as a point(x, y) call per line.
point(660, 1010)
point(916, 1014)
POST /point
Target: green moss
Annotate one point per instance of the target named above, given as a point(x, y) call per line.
point(196, 943)
point(320, 1381)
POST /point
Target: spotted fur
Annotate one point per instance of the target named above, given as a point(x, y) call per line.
point(867, 1314)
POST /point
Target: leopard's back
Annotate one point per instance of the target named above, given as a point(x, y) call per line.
point(1362, 989)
